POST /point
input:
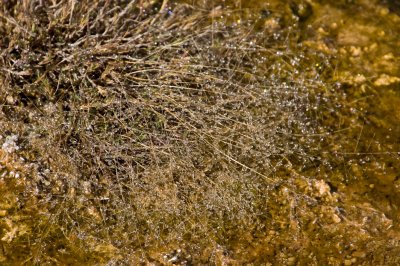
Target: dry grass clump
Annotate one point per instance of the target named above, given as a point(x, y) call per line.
point(153, 135)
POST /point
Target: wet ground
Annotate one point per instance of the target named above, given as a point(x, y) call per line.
point(338, 206)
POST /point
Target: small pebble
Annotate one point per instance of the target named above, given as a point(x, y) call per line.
point(336, 218)
point(291, 260)
point(3, 213)
point(359, 254)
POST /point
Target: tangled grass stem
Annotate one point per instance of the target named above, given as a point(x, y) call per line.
point(148, 130)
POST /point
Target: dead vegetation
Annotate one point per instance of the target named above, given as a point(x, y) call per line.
point(157, 135)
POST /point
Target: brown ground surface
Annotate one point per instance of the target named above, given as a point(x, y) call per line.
point(199, 132)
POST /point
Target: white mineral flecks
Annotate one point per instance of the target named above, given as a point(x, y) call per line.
point(10, 144)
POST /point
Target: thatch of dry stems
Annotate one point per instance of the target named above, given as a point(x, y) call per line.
point(150, 130)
